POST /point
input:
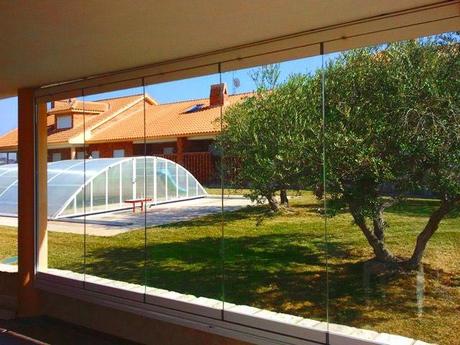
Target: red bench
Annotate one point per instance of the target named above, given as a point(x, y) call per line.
point(140, 201)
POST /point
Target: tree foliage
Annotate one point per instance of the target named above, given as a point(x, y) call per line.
point(392, 129)
point(271, 134)
point(393, 120)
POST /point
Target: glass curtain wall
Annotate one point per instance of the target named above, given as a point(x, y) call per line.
point(318, 193)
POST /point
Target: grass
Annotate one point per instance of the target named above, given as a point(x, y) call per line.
point(277, 262)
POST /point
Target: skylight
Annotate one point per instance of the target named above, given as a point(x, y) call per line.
point(195, 108)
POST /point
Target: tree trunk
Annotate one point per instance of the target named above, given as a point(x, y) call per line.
point(379, 225)
point(430, 228)
point(380, 251)
point(273, 203)
point(284, 198)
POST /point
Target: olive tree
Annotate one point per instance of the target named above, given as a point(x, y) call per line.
point(273, 134)
point(393, 120)
point(392, 129)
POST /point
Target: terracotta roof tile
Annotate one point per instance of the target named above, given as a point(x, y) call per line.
point(123, 120)
point(164, 120)
point(9, 140)
point(63, 136)
point(74, 105)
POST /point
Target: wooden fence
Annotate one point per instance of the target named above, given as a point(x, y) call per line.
point(199, 164)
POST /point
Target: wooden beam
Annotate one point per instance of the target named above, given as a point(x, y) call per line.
point(28, 153)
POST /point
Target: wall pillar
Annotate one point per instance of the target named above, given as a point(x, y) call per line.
point(181, 144)
point(28, 296)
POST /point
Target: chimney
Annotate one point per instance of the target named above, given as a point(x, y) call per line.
point(218, 95)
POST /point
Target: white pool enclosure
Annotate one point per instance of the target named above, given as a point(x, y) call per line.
point(78, 187)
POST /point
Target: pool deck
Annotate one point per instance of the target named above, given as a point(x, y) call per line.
point(114, 223)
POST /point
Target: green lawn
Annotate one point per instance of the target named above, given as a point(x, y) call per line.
point(278, 263)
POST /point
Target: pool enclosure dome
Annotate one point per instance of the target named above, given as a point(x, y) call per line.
point(78, 187)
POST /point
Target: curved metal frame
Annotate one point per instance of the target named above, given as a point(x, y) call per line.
point(71, 199)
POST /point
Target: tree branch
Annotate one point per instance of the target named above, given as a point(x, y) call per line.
point(432, 225)
point(380, 251)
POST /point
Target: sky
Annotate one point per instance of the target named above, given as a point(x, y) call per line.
point(178, 90)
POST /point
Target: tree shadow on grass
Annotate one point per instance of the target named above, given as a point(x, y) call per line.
point(280, 272)
point(248, 212)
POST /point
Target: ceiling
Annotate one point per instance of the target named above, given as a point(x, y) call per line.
point(49, 41)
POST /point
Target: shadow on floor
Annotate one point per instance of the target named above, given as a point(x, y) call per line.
point(46, 330)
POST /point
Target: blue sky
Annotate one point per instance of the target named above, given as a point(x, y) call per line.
point(176, 90)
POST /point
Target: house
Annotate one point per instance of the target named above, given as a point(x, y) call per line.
point(182, 131)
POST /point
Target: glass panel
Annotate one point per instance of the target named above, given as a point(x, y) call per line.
point(183, 235)
point(9, 190)
point(99, 192)
point(140, 172)
point(65, 182)
point(70, 208)
point(115, 228)
point(171, 181)
point(274, 230)
point(127, 180)
point(8, 184)
point(393, 178)
point(192, 185)
point(150, 179)
point(182, 182)
point(160, 180)
point(79, 202)
point(113, 192)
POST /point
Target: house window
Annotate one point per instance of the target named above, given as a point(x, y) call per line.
point(56, 156)
point(95, 154)
point(8, 157)
point(64, 122)
point(12, 157)
point(168, 150)
point(80, 155)
point(118, 153)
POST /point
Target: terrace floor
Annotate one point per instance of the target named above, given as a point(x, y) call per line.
point(45, 330)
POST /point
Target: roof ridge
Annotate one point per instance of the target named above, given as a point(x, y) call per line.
point(119, 97)
point(165, 103)
point(121, 110)
point(207, 98)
